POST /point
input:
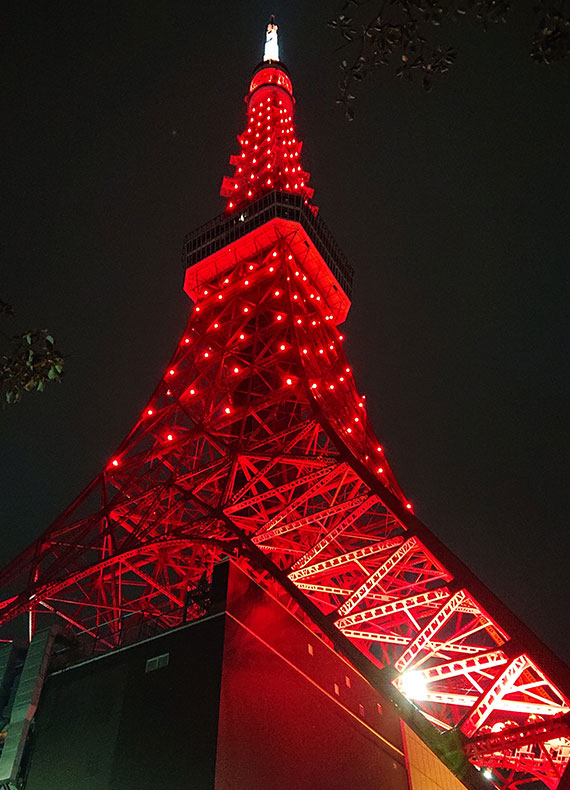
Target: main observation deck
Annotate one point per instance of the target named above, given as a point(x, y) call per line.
point(324, 261)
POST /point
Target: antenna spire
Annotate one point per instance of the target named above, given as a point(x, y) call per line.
point(271, 50)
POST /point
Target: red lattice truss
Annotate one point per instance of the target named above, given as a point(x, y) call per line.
point(256, 445)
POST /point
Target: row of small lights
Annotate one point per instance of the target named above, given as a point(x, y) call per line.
point(287, 130)
point(282, 347)
point(277, 293)
point(288, 380)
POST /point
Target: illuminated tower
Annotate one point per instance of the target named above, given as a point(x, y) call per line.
point(256, 446)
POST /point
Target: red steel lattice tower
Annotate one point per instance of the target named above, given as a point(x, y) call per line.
point(256, 445)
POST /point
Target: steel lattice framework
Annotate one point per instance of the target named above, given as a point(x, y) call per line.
point(256, 445)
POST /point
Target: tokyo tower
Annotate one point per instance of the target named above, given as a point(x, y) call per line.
point(256, 447)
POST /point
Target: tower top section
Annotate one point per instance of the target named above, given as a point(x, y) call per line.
point(268, 199)
point(269, 157)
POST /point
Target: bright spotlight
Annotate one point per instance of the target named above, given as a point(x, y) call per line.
point(412, 685)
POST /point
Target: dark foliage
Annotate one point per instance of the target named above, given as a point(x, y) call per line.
point(27, 361)
point(399, 34)
point(551, 40)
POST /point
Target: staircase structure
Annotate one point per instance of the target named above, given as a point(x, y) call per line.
point(256, 445)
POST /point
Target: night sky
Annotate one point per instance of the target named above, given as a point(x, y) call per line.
point(119, 119)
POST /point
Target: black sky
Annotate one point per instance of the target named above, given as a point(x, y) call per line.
point(453, 207)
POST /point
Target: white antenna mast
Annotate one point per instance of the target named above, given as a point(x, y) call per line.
point(271, 50)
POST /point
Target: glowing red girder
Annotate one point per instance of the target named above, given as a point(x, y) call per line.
point(507, 683)
point(342, 559)
point(403, 605)
point(515, 737)
point(423, 641)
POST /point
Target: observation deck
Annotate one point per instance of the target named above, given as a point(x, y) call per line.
point(205, 250)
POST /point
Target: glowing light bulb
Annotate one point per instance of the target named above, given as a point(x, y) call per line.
point(170, 437)
point(276, 293)
point(380, 470)
point(216, 326)
point(246, 309)
point(227, 410)
point(186, 339)
point(279, 317)
point(289, 381)
point(412, 685)
point(206, 354)
point(242, 337)
point(282, 347)
point(236, 370)
point(408, 505)
point(149, 412)
point(115, 462)
point(192, 392)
